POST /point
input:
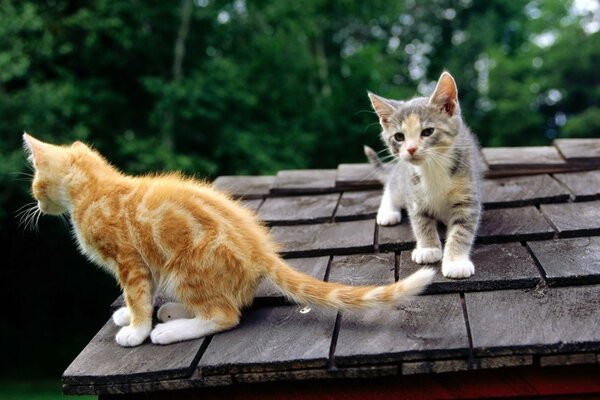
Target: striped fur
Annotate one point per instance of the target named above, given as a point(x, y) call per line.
point(439, 181)
point(182, 238)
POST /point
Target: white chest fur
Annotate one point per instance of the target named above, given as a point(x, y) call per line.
point(435, 185)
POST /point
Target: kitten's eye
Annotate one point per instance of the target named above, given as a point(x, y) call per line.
point(399, 136)
point(427, 132)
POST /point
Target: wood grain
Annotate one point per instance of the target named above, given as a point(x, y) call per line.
point(324, 239)
point(104, 361)
point(429, 327)
point(357, 176)
point(291, 210)
point(584, 185)
point(513, 225)
point(247, 187)
point(497, 266)
point(305, 181)
point(358, 205)
point(574, 219)
point(579, 150)
point(569, 261)
point(363, 269)
point(534, 321)
point(272, 338)
point(521, 191)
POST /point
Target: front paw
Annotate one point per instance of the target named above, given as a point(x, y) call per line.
point(122, 316)
point(130, 337)
point(164, 334)
point(387, 217)
point(427, 255)
point(458, 269)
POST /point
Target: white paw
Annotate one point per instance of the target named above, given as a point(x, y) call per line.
point(122, 316)
point(458, 269)
point(386, 216)
point(169, 311)
point(164, 334)
point(129, 337)
point(427, 255)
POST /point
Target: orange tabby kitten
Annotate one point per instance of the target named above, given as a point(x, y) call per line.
point(180, 237)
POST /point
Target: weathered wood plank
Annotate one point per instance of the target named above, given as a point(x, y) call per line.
point(579, 150)
point(358, 205)
point(357, 176)
point(363, 269)
point(584, 185)
point(521, 191)
point(574, 219)
point(147, 389)
point(298, 209)
point(305, 181)
point(272, 338)
point(429, 327)
point(534, 321)
point(567, 359)
point(441, 366)
point(253, 205)
point(397, 237)
point(514, 224)
point(268, 293)
point(104, 361)
point(537, 157)
point(324, 239)
point(497, 266)
point(569, 261)
point(247, 187)
point(304, 374)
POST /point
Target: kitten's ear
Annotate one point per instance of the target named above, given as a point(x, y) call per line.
point(382, 107)
point(445, 95)
point(35, 149)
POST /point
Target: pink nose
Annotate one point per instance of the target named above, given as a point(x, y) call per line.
point(411, 150)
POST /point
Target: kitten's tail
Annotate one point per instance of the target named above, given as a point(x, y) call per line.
point(375, 161)
point(304, 289)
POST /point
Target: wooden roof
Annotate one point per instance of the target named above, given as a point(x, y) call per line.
point(534, 300)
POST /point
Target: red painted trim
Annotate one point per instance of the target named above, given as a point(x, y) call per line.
point(495, 383)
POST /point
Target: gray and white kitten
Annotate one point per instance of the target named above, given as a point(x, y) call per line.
point(436, 177)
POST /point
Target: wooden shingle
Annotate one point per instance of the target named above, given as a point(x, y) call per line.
point(574, 219)
point(272, 338)
point(522, 191)
point(429, 326)
point(317, 239)
point(247, 187)
point(497, 266)
point(304, 181)
point(548, 320)
point(298, 209)
point(569, 261)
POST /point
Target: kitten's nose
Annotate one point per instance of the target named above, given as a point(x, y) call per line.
point(411, 150)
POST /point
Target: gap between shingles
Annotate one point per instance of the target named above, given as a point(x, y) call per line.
point(334, 339)
point(548, 220)
point(397, 255)
point(337, 204)
point(463, 304)
point(199, 354)
point(376, 238)
point(328, 269)
point(537, 263)
point(572, 195)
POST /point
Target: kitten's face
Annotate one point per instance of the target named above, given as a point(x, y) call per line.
point(51, 165)
point(422, 129)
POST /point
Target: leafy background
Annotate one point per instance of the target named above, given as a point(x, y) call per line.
point(248, 87)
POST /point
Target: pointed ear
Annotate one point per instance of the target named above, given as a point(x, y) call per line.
point(35, 149)
point(382, 107)
point(445, 95)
